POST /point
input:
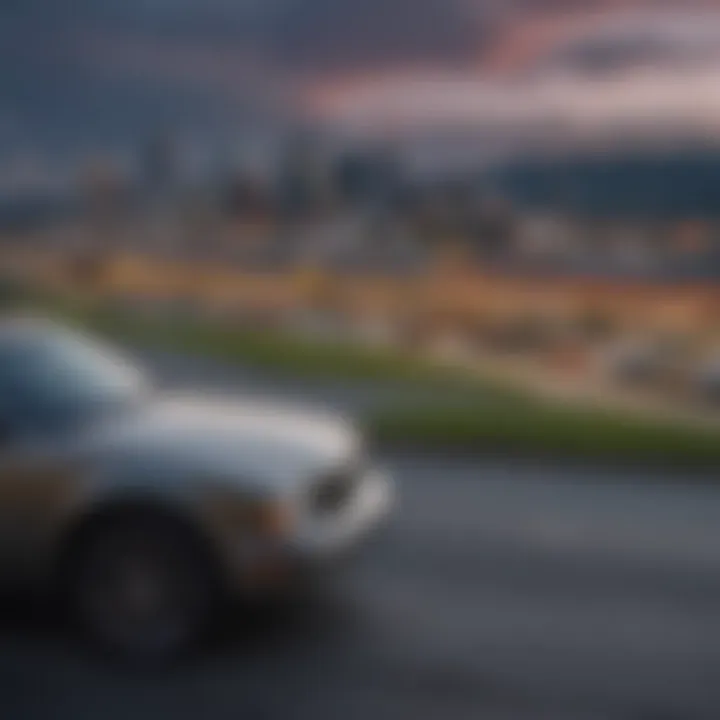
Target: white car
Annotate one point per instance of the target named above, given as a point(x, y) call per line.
point(145, 511)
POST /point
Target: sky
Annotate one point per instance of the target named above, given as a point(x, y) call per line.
point(97, 74)
point(585, 71)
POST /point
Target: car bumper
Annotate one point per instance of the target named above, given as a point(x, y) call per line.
point(319, 545)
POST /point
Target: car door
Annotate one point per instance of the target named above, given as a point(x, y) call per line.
point(36, 486)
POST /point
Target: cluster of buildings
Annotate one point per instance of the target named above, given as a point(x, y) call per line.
point(405, 256)
point(349, 207)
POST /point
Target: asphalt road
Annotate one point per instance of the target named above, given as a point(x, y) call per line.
point(503, 590)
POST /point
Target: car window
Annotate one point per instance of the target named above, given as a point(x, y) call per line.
point(51, 380)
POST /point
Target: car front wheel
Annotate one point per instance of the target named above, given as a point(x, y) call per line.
point(140, 585)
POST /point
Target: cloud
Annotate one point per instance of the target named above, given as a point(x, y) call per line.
point(327, 34)
point(556, 104)
point(106, 67)
point(626, 40)
point(584, 71)
point(315, 34)
point(608, 37)
point(109, 68)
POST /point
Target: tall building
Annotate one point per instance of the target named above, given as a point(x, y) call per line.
point(105, 193)
point(161, 167)
point(301, 181)
point(368, 177)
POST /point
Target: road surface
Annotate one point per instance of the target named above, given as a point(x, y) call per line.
point(503, 590)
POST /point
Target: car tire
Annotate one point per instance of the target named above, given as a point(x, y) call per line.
point(140, 585)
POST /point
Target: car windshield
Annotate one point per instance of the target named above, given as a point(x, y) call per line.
point(58, 377)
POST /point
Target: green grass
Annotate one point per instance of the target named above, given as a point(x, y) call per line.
point(465, 413)
point(535, 428)
point(292, 355)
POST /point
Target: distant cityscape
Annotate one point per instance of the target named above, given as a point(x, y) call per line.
point(652, 215)
point(508, 267)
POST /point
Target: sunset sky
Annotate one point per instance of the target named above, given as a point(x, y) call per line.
point(111, 71)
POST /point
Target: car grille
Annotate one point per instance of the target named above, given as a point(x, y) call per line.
point(332, 493)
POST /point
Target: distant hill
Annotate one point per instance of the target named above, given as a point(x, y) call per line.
point(677, 183)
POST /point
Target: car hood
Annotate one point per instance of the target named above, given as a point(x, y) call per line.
point(260, 444)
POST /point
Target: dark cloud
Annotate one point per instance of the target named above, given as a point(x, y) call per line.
point(69, 71)
point(307, 33)
point(322, 33)
point(110, 68)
